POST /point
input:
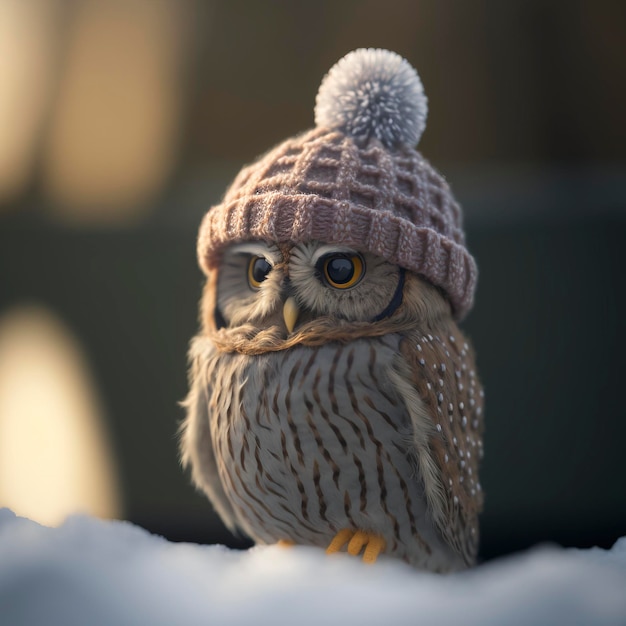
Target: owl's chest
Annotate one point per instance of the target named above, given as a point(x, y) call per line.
point(329, 392)
point(287, 427)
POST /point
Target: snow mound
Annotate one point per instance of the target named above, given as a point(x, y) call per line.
point(95, 572)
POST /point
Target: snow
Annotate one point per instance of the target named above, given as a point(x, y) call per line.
point(89, 571)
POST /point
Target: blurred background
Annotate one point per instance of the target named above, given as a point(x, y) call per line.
point(122, 121)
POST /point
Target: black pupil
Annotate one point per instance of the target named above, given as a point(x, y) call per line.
point(260, 269)
point(340, 270)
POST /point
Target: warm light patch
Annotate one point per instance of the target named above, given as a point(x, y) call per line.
point(26, 71)
point(54, 456)
point(114, 133)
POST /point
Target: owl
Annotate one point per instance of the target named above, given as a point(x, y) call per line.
point(334, 401)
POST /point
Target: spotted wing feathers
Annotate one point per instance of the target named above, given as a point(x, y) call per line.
point(449, 426)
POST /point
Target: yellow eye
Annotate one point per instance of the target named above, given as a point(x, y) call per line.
point(258, 269)
point(343, 271)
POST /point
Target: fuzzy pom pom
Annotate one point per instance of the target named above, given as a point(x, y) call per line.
point(373, 93)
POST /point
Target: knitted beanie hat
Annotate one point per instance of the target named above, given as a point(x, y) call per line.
point(356, 179)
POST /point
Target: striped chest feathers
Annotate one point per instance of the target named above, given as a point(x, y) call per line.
point(302, 403)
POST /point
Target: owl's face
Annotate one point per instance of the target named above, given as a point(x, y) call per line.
point(286, 286)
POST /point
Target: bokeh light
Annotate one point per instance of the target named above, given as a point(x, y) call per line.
point(55, 456)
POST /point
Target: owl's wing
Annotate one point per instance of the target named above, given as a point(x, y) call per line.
point(437, 377)
point(196, 443)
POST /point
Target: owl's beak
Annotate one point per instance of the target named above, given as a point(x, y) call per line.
point(290, 313)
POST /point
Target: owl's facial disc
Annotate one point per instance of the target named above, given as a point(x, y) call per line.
point(286, 287)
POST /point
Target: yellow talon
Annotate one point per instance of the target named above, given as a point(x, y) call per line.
point(359, 539)
point(340, 540)
point(374, 544)
point(285, 543)
point(374, 547)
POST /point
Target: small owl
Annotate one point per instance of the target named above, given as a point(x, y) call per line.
point(333, 399)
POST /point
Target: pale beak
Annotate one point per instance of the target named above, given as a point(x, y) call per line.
point(290, 313)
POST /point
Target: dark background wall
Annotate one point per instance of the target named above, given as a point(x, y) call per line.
point(149, 110)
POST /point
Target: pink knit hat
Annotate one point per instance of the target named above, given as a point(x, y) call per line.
point(356, 179)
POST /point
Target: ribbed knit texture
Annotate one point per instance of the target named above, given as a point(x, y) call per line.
point(323, 186)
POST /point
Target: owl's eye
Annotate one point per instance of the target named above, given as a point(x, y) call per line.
point(258, 269)
point(342, 271)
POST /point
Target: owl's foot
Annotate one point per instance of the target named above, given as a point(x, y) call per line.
point(285, 543)
point(356, 540)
